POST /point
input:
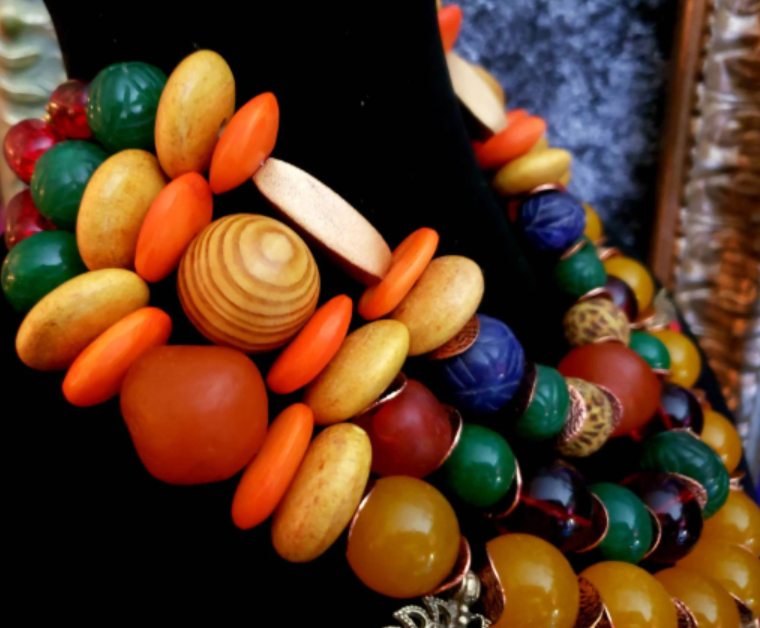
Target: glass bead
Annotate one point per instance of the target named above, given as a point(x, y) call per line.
point(595, 320)
point(652, 350)
point(622, 296)
point(552, 221)
point(25, 143)
point(405, 539)
point(60, 179)
point(623, 372)
point(594, 228)
point(539, 584)
point(484, 378)
point(629, 536)
point(721, 435)
point(635, 275)
point(548, 408)
point(68, 110)
point(481, 469)
point(555, 505)
point(737, 522)
point(685, 361)
point(410, 433)
point(37, 266)
point(681, 409)
point(686, 454)
point(123, 100)
point(708, 601)
point(22, 219)
point(731, 565)
point(677, 510)
point(580, 273)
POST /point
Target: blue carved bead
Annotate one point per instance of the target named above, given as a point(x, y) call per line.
point(552, 221)
point(484, 378)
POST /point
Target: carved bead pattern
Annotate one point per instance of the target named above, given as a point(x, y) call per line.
point(552, 221)
point(595, 320)
point(589, 437)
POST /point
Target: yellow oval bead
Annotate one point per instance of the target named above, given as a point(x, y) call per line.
point(721, 435)
point(539, 584)
point(531, 170)
point(738, 521)
point(685, 361)
point(635, 275)
point(594, 228)
point(541, 145)
point(708, 601)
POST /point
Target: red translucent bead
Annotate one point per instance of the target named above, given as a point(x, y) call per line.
point(410, 433)
point(25, 143)
point(22, 219)
point(68, 110)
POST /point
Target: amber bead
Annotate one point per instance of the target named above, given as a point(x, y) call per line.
point(708, 601)
point(685, 361)
point(539, 584)
point(721, 435)
point(410, 433)
point(633, 598)
point(405, 538)
point(737, 522)
point(635, 275)
point(622, 371)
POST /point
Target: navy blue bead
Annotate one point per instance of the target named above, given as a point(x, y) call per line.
point(552, 221)
point(484, 378)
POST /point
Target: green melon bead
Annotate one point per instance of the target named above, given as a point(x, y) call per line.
point(651, 349)
point(122, 105)
point(686, 454)
point(481, 469)
point(630, 533)
point(580, 273)
point(547, 412)
point(38, 265)
point(60, 178)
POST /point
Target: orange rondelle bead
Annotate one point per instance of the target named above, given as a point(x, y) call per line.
point(409, 261)
point(513, 142)
point(180, 212)
point(514, 116)
point(245, 144)
point(97, 374)
point(269, 474)
point(313, 348)
point(449, 23)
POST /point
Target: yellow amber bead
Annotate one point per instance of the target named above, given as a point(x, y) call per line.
point(738, 521)
point(721, 435)
point(531, 170)
point(635, 275)
point(633, 598)
point(685, 361)
point(594, 228)
point(539, 584)
point(709, 602)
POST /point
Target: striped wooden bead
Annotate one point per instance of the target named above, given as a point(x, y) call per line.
point(248, 282)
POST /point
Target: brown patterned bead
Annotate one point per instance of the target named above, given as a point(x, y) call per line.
point(589, 424)
point(596, 320)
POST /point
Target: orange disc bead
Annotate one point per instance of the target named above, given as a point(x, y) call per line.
point(514, 116)
point(313, 348)
point(245, 144)
point(409, 261)
point(513, 142)
point(180, 212)
point(449, 23)
point(269, 474)
point(97, 374)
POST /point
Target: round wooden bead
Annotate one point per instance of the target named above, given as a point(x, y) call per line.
point(596, 320)
point(630, 531)
point(651, 349)
point(709, 602)
point(532, 170)
point(248, 282)
point(635, 275)
point(737, 522)
point(114, 206)
point(366, 364)
point(720, 434)
point(586, 433)
point(548, 408)
point(580, 273)
point(446, 296)
point(685, 361)
point(552, 221)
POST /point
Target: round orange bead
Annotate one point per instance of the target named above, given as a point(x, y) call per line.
point(513, 142)
point(97, 374)
point(721, 435)
point(635, 275)
point(405, 539)
point(594, 228)
point(738, 521)
point(685, 361)
point(633, 598)
point(539, 584)
point(709, 602)
point(313, 348)
point(269, 474)
point(180, 212)
point(449, 23)
point(409, 261)
point(245, 144)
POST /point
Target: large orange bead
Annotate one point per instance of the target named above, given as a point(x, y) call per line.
point(708, 601)
point(721, 435)
point(736, 568)
point(738, 521)
point(635, 275)
point(513, 142)
point(633, 598)
point(624, 373)
point(449, 23)
point(196, 414)
point(685, 361)
point(405, 539)
point(539, 584)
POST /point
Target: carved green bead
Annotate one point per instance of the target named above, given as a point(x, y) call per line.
point(652, 349)
point(122, 105)
point(580, 273)
point(548, 409)
point(38, 265)
point(60, 178)
point(630, 533)
point(685, 454)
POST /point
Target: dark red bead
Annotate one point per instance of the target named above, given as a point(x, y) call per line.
point(623, 297)
point(680, 409)
point(25, 143)
point(22, 219)
point(68, 110)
